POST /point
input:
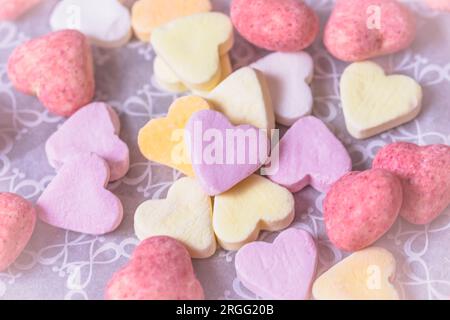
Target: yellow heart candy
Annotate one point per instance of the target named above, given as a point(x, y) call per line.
point(374, 103)
point(254, 204)
point(162, 140)
point(146, 15)
point(244, 98)
point(192, 46)
point(185, 215)
point(365, 275)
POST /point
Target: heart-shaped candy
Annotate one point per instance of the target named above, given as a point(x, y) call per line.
point(160, 269)
point(282, 270)
point(361, 207)
point(186, 215)
point(425, 176)
point(162, 140)
point(288, 76)
point(17, 220)
point(95, 129)
point(192, 46)
point(443, 5)
point(76, 199)
point(362, 29)
point(244, 98)
point(146, 15)
point(365, 275)
point(374, 102)
point(223, 155)
point(254, 204)
point(309, 154)
point(57, 68)
point(13, 9)
point(107, 23)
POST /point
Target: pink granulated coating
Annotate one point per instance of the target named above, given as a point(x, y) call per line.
point(350, 34)
point(277, 25)
point(17, 221)
point(160, 269)
point(13, 9)
point(361, 207)
point(57, 68)
point(425, 176)
point(443, 5)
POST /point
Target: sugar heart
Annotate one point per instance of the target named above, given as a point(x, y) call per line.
point(17, 221)
point(107, 23)
point(443, 5)
point(162, 140)
point(76, 199)
point(282, 270)
point(361, 207)
point(223, 155)
point(245, 99)
point(160, 269)
point(365, 275)
point(191, 46)
point(57, 68)
point(186, 215)
point(254, 204)
point(150, 14)
point(362, 29)
point(374, 102)
point(288, 77)
point(94, 128)
point(13, 9)
point(309, 154)
point(278, 25)
point(425, 176)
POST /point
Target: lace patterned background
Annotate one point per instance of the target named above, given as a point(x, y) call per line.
point(64, 265)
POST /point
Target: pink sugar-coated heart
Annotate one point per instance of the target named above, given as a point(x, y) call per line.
point(216, 177)
point(13, 9)
point(76, 199)
point(160, 269)
point(282, 270)
point(361, 207)
point(353, 33)
point(94, 128)
point(17, 221)
point(57, 68)
point(309, 154)
point(425, 176)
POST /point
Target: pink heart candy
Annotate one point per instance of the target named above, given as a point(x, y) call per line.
point(76, 199)
point(160, 269)
point(233, 159)
point(13, 9)
point(309, 154)
point(282, 270)
point(95, 129)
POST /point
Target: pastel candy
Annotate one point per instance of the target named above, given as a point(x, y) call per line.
point(148, 15)
point(374, 103)
point(107, 23)
point(365, 275)
point(223, 155)
point(162, 140)
point(76, 199)
point(192, 46)
point(361, 207)
point(443, 5)
point(309, 154)
point(160, 269)
point(425, 176)
point(254, 204)
point(95, 129)
point(363, 29)
point(57, 68)
point(277, 25)
point(283, 270)
point(185, 215)
point(13, 9)
point(244, 98)
point(288, 76)
point(17, 221)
